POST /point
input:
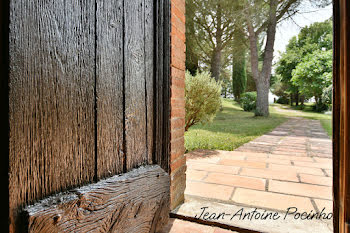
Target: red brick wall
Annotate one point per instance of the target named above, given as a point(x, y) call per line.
point(178, 57)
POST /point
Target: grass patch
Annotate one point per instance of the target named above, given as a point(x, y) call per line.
point(327, 125)
point(230, 129)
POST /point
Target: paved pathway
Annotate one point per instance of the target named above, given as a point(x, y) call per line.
point(290, 166)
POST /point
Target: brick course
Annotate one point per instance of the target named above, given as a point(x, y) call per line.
point(177, 125)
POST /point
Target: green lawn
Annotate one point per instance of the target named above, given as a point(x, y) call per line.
point(233, 127)
point(230, 129)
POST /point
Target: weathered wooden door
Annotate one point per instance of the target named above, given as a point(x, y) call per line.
point(88, 99)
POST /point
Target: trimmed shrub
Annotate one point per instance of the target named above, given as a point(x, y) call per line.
point(283, 100)
point(320, 107)
point(299, 107)
point(203, 98)
point(248, 101)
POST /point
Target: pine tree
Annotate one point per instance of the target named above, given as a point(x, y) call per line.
point(239, 72)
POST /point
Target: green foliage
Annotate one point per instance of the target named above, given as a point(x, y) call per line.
point(314, 74)
point(202, 96)
point(248, 101)
point(320, 107)
point(305, 69)
point(283, 100)
point(327, 95)
point(210, 26)
point(226, 83)
point(192, 55)
point(239, 77)
point(250, 81)
point(299, 107)
point(279, 87)
point(230, 129)
point(239, 73)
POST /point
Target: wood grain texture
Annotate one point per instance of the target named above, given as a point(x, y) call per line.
point(137, 201)
point(135, 96)
point(88, 94)
point(109, 89)
point(159, 82)
point(344, 116)
point(165, 160)
point(341, 116)
point(162, 121)
point(4, 101)
point(150, 74)
point(51, 98)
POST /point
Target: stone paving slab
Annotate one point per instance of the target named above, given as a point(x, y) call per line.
point(244, 217)
point(292, 165)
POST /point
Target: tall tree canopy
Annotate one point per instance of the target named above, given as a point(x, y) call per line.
point(261, 19)
point(314, 74)
point(211, 28)
point(239, 72)
point(305, 67)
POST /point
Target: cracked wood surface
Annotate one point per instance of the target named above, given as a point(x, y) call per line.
point(137, 201)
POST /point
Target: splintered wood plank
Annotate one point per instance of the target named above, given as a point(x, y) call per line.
point(110, 112)
point(51, 98)
point(150, 74)
point(137, 201)
point(135, 97)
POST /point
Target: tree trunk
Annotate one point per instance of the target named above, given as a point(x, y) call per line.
point(216, 64)
point(238, 98)
point(262, 101)
point(297, 98)
point(216, 59)
point(262, 79)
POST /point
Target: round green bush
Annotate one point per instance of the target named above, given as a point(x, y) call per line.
point(283, 100)
point(203, 98)
point(248, 101)
point(320, 107)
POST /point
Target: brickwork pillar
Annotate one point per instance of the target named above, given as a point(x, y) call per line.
point(178, 58)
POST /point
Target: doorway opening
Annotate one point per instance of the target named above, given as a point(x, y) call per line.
point(245, 166)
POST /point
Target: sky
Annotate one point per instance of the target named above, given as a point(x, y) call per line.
point(289, 28)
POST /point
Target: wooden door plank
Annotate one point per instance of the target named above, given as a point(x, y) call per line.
point(167, 85)
point(341, 116)
point(163, 82)
point(109, 87)
point(137, 202)
point(135, 97)
point(4, 101)
point(51, 98)
point(150, 74)
point(159, 81)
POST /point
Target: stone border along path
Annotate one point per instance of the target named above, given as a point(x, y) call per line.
point(288, 167)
